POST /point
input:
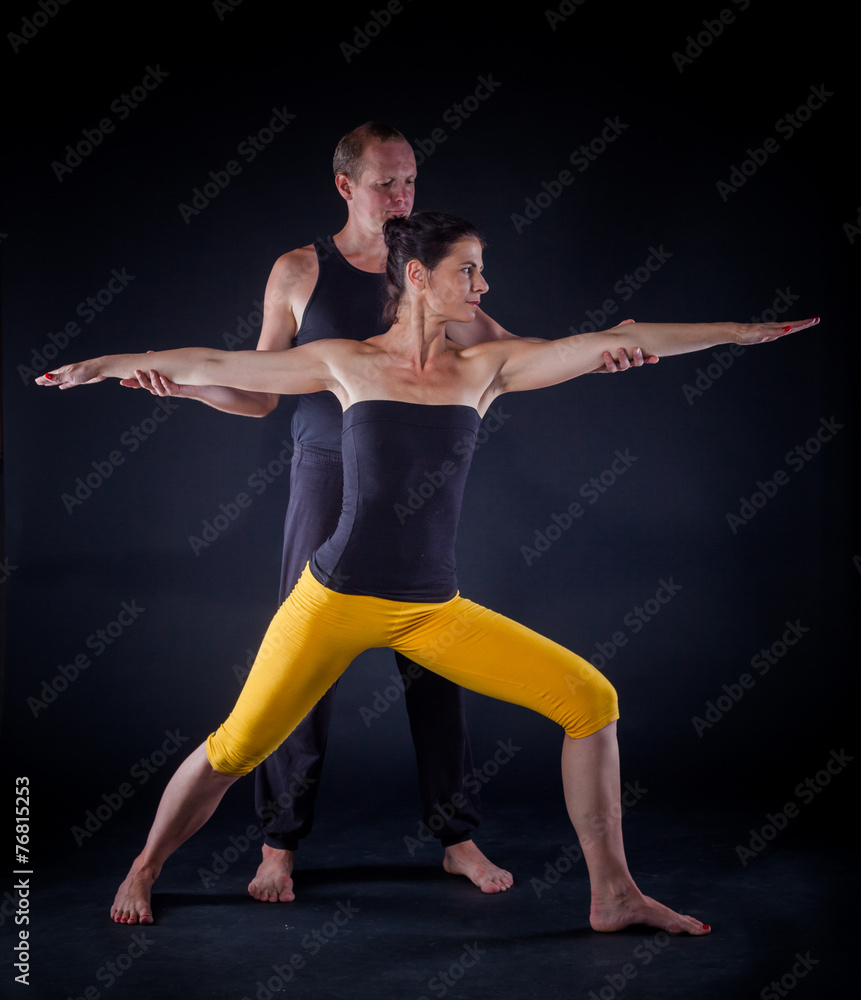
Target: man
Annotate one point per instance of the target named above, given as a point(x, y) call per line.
point(331, 290)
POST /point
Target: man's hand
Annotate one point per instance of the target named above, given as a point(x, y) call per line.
point(624, 361)
point(249, 404)
point(158, 385)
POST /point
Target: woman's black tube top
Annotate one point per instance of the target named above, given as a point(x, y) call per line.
point(405, 468)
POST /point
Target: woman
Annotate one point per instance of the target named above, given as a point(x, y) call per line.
point(412, 405)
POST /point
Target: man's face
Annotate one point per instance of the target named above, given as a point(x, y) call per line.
point(386, 186)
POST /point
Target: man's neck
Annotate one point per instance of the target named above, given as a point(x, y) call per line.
point(363, 248)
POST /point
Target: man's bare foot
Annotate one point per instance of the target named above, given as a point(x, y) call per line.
point(466, 859)
point(132, 901)
point(630, 906)
point(273, 882)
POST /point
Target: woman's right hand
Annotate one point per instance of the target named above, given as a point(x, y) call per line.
point(748, 334)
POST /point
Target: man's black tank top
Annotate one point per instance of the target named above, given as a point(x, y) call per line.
point(346, 304)
point(405, 468)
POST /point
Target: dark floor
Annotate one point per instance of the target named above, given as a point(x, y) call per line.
point(370, 921)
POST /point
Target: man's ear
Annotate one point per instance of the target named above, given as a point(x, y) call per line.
point(344, 186)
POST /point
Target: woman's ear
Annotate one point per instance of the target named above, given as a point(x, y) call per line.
point(416, 274)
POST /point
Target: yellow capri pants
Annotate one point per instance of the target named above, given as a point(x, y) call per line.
point(317, 633)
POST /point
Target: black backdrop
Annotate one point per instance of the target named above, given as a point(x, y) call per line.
point(720, 526)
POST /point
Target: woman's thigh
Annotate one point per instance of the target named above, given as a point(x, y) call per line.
point(493, 655)
point(311, 641)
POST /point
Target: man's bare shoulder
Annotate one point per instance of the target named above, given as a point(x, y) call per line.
point(288, 290)
point(295, 268)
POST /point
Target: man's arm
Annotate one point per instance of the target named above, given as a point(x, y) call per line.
point(287, 293)
point(523, 366)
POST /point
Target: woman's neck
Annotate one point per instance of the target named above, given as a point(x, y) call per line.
point(418, 334)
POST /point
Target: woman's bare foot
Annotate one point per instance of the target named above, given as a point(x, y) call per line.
point(630, 906)
point(132, 901)
point(466, 859)
point(273, 882)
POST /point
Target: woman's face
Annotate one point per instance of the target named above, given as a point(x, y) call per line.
point(455, 286)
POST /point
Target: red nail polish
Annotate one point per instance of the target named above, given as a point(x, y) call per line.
point(786, 329)
point(48, 376)
point(706, 927)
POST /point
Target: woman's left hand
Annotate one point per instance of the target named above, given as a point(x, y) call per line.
point(68, 376)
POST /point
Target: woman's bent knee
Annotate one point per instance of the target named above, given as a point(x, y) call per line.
point(592, 704)
point(226, 759)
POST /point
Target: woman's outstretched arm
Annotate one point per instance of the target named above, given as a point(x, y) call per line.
point(531, 366)
point(298, 370)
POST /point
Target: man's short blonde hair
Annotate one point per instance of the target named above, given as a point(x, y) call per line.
point(351, 149)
